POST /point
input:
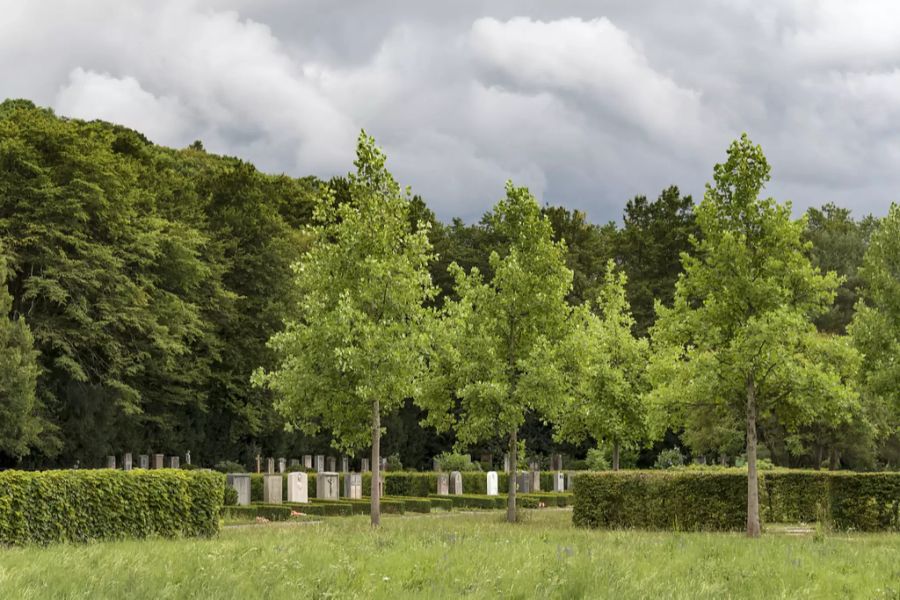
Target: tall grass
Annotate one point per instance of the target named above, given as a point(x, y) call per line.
point(452, 555)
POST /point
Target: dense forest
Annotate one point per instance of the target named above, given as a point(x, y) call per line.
point(139, 286)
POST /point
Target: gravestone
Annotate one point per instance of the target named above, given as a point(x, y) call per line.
point(174, 462)
point(110, 462)
point(320, 463)
point(282, 465)
point(365, 465)
point(295, 462)
point(345, 464)
point(241, 484)
point(443, 484)
point(535, 481)
point(492, 483)
point(556, 462)
point(273, 488)
point(327, 486)
point(187, 457)
point(523, 481)
point(126, 461)
point(559, 482)
point(270, 465)
point(307, 461)
point(144, 461)
point(384, 464)
point(570, 481)
point(158, 460)
point(353, 486)
point(381, 485)
point(436, 464)
point(506, 463)
point(456, 486)
point(298, 487)
point(331, 464)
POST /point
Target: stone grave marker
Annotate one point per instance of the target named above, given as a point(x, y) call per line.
point(331, 464)
point(353, 486)
point(174, 462)
point(365, 465)
point(570, 481)
point(295, 462)
point(298, 487)
point(126, 461)
point(506, 463)
point(559, 482)
point(345, 464)
point(320, 463)
point(492, 481)
point(327, 486)
point(523, 482)
point(307, 461)
point(282, 465)
point(270, 465)
point(241, 484)
point(144, 461)
point(187, 457)
point(272, 488)
point(535, 480)
point(158, 460)
point(436, 464)
point(443, 484)
point(456, 484)
point(110, 462)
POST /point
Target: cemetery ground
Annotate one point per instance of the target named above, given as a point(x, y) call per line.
point(453, 554)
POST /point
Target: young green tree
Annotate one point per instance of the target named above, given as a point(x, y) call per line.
point(20, 425)
point(491, 340)
point(740, 332)
point(606, 372)
point(875, 329)
point(353, 349)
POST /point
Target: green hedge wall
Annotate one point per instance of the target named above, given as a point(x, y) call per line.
point(84, 505)
point(717, 500)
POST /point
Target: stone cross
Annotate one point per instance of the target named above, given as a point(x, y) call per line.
point(353, 486)
point(126, 461)
point(110, 462)
point(456, 483)
point(492, 483)
point(320, 463)
point(307, 461)
point(158, 460)
point(272, 488)
point(144, 461)
point(298, 487)
point(241, 484)
point(327, 486)
point(282, 465)
point(443, 484)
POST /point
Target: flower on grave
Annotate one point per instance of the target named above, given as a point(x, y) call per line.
point(261, 520)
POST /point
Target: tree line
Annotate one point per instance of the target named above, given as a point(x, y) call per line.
point(143, 286)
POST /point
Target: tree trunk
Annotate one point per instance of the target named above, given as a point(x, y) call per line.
point(834, 460)
point(513, 469)
point(375, 509)
point(819, 457)
point(753, 528)
point(615, 456)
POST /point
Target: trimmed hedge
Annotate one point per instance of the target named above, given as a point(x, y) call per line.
point(272, 512)
point(410, 504)
point(84, 505)
point(717, 500)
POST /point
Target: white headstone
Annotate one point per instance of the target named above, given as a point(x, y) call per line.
point(174, 462)
point(320, 463)
point(144, 461)
point(126, 461)
point(365, 465)
point(298, 487)
point(456, 484)
point(327, 486)
point(110, 462)
point(331, 464)
point(158, 460)
point(353, 486)
point(345, 464)
point(307, 461)
point(282, 465)
point(559, 482)
point(270, 465)
point(535, 481)
point(273, 488)
point(241, 484)
point(443, 484)
point(492, 483)
point(506, 463)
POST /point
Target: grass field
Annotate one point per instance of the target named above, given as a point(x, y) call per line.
point(452, 555)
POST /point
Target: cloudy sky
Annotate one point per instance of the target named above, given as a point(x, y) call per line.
point(588, 103)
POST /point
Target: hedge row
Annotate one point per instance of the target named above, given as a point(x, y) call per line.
point(84, 505)
point(717, 500)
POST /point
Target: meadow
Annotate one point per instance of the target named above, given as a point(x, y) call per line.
point(448, 555)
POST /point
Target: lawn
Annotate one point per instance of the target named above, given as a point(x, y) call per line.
point(452, 554)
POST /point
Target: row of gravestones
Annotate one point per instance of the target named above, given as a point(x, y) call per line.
point(328, 485)
point(556, 462)
point(147, 461)
point(322, 464)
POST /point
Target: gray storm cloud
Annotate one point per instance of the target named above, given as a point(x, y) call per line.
point(587, 103)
